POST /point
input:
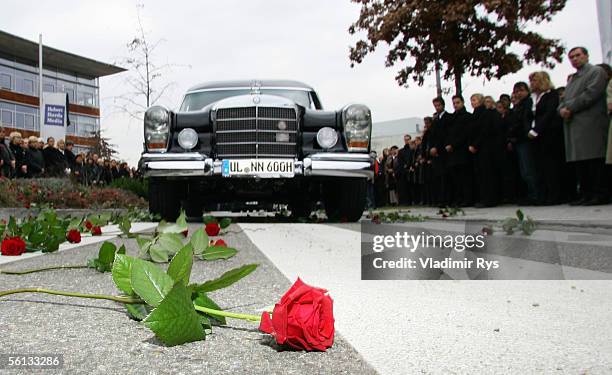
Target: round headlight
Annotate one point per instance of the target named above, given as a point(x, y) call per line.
point(188, 138)
point(156, 119)
point(327, 137)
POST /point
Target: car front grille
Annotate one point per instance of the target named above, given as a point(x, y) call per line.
point(256, 132)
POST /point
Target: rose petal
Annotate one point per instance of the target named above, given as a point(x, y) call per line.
point(265, 324)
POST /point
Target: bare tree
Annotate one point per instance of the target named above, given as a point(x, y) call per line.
point(145, 77)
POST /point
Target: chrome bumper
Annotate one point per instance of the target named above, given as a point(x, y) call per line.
point(195, 164)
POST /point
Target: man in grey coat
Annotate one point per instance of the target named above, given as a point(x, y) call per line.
point(586, 121)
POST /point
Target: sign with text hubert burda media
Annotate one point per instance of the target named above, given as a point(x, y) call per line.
point(55, 115)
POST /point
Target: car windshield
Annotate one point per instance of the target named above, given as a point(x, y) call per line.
point(198, 100)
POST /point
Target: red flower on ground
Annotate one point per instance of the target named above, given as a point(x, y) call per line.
point(96, 231)
point(73, 236)
point(13, 246)
point(212, 229)
point(88, 224)
point(220, 243)
point(303, 319)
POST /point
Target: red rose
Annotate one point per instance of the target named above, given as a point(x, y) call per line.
point(73, 236)
point(96, 231)
point(212, 229)
point(220, 242)
point(88, 224)
point(303, 319)
point(13, 246)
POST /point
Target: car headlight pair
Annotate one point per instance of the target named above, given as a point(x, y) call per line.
point(357, 121)
point(157, 130)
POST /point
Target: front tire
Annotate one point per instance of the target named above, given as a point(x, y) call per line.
point(165, 198)
point(345, 199)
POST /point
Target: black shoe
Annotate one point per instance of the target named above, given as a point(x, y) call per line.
point(595, 202)
point(579, 202)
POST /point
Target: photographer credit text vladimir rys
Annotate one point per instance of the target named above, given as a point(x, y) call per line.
point(458, 243)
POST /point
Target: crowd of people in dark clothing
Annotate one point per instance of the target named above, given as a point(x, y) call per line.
point(540, 145)
point(33, 158)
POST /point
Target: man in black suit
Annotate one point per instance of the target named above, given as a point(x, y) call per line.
point(458, 161)
point(70, 158)
point(404, 161)
point(523, 121)
point(436, 136)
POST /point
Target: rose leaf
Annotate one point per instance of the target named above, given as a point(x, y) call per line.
point(180, 266)
point(225, 280)
point(199, 241)
point(121, 273)
point(175, 321)
point(218, 252)
point(150, 282)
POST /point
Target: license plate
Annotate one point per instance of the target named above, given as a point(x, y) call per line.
point(265, 168)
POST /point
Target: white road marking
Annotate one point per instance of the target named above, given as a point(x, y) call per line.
point(406, 327)
point(85, 240)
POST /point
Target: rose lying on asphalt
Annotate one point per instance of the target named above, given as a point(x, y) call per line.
point(303, 319)
point(96, 231)
point(13, 246)
point(212, 229)
point(73, 236)
point(179, 312)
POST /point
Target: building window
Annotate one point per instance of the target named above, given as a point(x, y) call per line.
point(71, 128)
point(7, 117)
point(85, 98)
point(30, 121)
point(5, 81)
point(87, 126)
point(70, 92)
point(19, 121)
point(49, 87)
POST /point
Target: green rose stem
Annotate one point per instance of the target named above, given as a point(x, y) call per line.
point(227, 314)
point(25, 272)
point(121, 299)
point(127, 300)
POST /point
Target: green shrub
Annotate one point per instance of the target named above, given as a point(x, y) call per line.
point(137, 186)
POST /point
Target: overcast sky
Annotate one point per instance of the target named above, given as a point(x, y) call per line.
point(231, 39)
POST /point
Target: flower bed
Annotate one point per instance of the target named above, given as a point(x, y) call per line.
point(63, 193)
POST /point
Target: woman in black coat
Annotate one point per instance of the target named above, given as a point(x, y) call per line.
point(547, 136)
point(21, 156)
point(36, 160)
point(486, 144)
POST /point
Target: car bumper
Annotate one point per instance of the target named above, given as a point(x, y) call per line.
point(195, 164)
